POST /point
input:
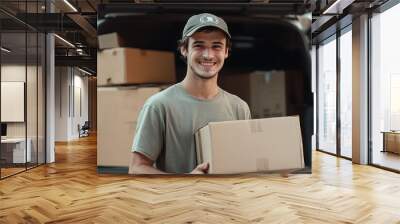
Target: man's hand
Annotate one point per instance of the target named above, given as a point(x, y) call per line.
point(201, 169)
point(140, 164)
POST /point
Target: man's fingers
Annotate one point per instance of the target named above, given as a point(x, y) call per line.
point(201, 169)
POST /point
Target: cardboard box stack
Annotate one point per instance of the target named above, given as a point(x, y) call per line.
point(126, 78)
point(118, 109)
point(259, 145)
point(255, 86)
point(111, 40)
point(118, 66)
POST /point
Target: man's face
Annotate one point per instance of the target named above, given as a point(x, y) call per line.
point(206, 53)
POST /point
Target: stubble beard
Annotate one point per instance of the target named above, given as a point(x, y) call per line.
point(200, 76)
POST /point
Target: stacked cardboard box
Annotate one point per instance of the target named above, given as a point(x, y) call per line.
point(118, 109)
point(265, 91)
point(118, 66)
point(126, 78)
point(260, 145)
point(111, 40)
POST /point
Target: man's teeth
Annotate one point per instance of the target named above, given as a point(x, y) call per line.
point(207, 63)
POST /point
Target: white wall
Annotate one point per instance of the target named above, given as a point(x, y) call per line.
point(71, 87)
point(12, 73)
point(62, 81)
point(80, 109)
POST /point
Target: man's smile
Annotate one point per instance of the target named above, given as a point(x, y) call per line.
point(207, 63)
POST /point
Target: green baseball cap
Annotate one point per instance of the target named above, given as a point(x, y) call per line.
point(196, 22)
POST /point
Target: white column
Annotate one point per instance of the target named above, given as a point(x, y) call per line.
point(50, 92)
point(50, 110)
point(360, 90)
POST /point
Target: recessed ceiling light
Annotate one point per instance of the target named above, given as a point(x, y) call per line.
point(84, 71)
point(70, 5)
point(338, 6)
point(65, 41)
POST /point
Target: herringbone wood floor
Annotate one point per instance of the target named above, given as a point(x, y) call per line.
point(70, 191)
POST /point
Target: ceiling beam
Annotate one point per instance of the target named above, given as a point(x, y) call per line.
point(84, 61)
point(84, 24)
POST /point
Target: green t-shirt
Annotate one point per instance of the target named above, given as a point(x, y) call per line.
point(169, 120)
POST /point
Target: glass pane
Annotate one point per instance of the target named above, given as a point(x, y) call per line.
point(15, 151)
point(31, 101)
point(13, 87)
point(386, 89)
point(327, 97)
point(346, 94)
point(41, 98)
point(31, 86)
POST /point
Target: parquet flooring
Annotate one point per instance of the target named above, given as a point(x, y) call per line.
point(386, 159)
point(10, 171)
point(70, 191)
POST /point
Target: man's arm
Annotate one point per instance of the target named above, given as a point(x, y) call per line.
point(140, 164)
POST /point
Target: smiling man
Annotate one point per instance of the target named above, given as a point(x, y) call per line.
point(164, 141)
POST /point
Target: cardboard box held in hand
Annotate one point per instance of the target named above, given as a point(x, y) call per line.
point(243, 146)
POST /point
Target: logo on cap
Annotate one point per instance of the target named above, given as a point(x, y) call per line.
point(208, 19)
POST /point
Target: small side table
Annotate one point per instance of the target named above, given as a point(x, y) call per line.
point(391, 141)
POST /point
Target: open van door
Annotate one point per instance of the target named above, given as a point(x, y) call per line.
point(269, 66)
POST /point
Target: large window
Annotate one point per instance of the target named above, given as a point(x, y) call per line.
point(327, 96)
point(346, 93)
point(313, 88)
point(328, 84)
point(385, 88)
